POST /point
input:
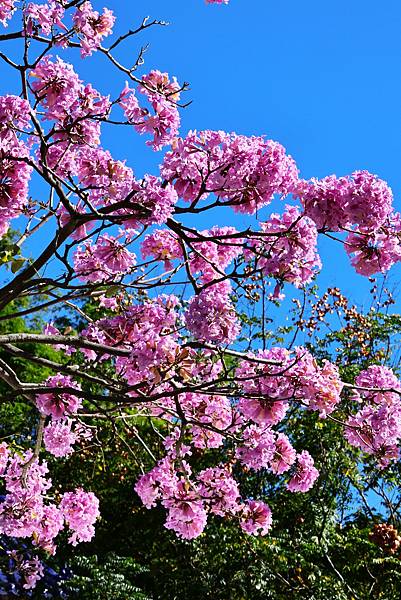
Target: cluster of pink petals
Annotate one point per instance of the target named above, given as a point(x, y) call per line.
point(219, 491)
point(378, 385)
point(295, 376)
point(245, 171)
point(257, 448)
point(189, 500)
point(80, 510)
point(92, 27)
point(15, 172)
point(56, 85)
point(284, 455)
point(104, 260)
point(59, 404)
point(162, 95)
point(30, 569)
point(14, 116)
point(108, 180)
point(44, 17)
point(153, 202)
point(305, 473)
point(256, 518)
point(59, 438)
point(208, 257)
point(211, 315)
point(335, 203)
point(211, 258)
point(208, 416)
point(7, 8)
point(25, 513)
point(162, 245)
point(375, 251)
point(148, 331)
point(376, 427)
point(75, 108)
point(290, 253)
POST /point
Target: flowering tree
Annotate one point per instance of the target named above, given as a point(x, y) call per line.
point(172, 345)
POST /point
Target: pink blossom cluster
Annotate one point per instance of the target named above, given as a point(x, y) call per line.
point(289, 376)
point(190, 499)
point(14, 154)
point(162, 96)
point(59, 437)
point(75, 108)
point(376, 427)
point(80, 510)
point(290, 252)
point(209, 257)
point(31, 570)
point(153, 202)
point(244, 171)
point(108, 180)
point(59, 404)
point(209, 417)
point(162, 245)
point(375, 251)
point(148, 331)
point(24, 512)
point(305, 473)
point(263, 448)
point(211, 315)
point(104, 260)
point(7, 9)
point(44, 17)
point(335, 203)
point(92, 27)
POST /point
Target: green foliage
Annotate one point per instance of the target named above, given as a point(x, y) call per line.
point(111, 576)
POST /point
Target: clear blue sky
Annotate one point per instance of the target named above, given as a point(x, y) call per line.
point(323, 78)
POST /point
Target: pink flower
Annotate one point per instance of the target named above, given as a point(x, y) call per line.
point(56, 85)
point(292, 256)
point(7, 9)
point(32, 571)
point(105, 260)
point(211, 315)
point(336, 203)
point(162, 95)
point(186, 513)
point(162, 245)
point(153, 203)
point(4, 456)
point(256, 518)
point(245, 171)
point(45, 15)
point(92, 27)
point(264, 411)
point(50, 525)
point(284, 455)
point(258, 447)
point(375, 251)
point(219, 491)
point(57, 404)
point(80, 510)
point(305, 474)
point(59, 438)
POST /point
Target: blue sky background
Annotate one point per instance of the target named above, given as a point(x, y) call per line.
point(324, 79)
